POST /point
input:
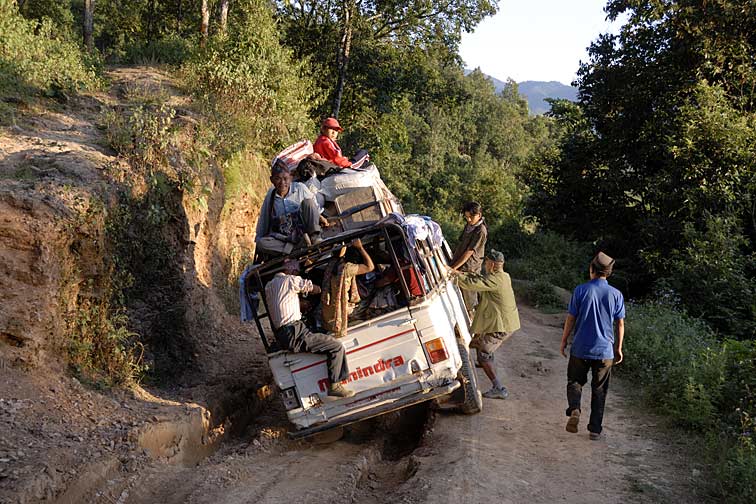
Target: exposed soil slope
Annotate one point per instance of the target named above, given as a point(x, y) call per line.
point(59, 184)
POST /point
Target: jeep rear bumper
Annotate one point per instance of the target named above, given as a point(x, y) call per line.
point(404, 402)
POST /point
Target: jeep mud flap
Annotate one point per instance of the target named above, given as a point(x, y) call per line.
point(416, 398)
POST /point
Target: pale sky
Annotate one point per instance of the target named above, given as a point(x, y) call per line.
point(541, 40)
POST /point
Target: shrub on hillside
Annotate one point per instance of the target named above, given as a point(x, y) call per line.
point(171, 49)
point(33, 57)
point(253, 83)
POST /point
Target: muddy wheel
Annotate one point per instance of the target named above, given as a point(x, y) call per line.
point(473, 401)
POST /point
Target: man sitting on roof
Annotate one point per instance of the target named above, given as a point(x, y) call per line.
point(327, 148)
point(289, 216)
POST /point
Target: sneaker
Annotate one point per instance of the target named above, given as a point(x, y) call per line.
point(496, 393)
point(594, 436)
point(339, 390)
point(572, 423)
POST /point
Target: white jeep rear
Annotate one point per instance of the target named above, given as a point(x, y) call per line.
point(415, 353)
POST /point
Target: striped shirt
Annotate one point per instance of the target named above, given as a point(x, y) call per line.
point(282, 294)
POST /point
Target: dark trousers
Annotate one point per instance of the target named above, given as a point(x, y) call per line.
point(577, 376)
point(297, 337)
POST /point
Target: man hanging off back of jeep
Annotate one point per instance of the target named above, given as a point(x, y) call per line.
point(291, 332)
point(289, 217)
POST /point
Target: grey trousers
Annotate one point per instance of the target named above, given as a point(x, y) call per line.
point(310, 217)
point(297, 337)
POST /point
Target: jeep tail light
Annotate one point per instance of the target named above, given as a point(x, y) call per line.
point(436, 350)
point(290, 399)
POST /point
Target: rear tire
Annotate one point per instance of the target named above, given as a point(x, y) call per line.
point(473, 401)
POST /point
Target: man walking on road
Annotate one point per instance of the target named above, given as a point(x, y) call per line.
point(593, 309)
point(496, 316)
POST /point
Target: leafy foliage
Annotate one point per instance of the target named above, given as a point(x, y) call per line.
point(660, 149)
point(35, 56)
point(544, 256)
point(703, 384)
point(252, 82)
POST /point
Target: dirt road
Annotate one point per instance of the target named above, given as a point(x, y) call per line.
point(515, 451)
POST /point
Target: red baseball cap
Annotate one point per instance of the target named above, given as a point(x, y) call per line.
point(332, 123)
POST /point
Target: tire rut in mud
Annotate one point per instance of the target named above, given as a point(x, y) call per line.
point(398, 435)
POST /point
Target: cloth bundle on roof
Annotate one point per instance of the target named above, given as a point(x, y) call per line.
point(347, 179)
point(293, 154)
point(419, 227)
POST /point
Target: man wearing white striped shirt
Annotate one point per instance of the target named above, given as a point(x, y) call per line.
point(282, 294)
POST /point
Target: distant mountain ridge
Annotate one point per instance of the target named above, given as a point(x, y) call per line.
point(536, 92)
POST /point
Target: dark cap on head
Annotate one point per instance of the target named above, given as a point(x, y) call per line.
point(291, 265)
point(495, 256)
point(602, 264)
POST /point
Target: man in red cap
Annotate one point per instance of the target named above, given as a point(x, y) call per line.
point(329, 150)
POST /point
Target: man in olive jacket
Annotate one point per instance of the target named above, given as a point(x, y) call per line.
point(496, 316)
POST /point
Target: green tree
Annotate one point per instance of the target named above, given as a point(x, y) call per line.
point(326, 31)
point(662, 140)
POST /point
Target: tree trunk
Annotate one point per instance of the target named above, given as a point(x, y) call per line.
point(342, 58)
point(151, 21)
point(223, 16)
point(89, 6)
point(204, 27)
point(179, 17)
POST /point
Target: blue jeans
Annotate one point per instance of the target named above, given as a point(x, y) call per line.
point(577, 376)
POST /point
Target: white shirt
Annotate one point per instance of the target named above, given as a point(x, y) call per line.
point(282, 294)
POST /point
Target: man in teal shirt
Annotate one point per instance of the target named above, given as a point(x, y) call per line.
point(496, 316)
point(594, 308)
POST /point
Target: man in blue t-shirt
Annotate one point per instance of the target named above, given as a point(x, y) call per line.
point(594, 308)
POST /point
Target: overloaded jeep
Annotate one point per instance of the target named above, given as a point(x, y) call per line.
point(406, 341)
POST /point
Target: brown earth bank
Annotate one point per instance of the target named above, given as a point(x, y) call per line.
point(61, 188)
point(209, 430)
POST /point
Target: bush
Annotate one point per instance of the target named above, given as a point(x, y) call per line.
point(172, 50)
point(543, 256)
point(34, 58)
point(715, 276)
point(102, 350)
point(143, 137)
point(704, 385)
point(539, 293)
point(252, 83)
